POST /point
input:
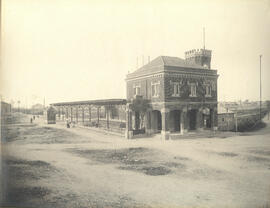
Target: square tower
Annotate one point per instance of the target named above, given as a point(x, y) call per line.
point(200, 57)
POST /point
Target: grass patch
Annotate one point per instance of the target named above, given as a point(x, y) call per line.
point(10, 133)
point(37, 163)
point(21, 177)
point(127, 156)
point(261, 152)
point(227, 154)
point(155, 171)
point(258, 159)
point(148, 170)
point(181, 158)
point(39, 135)
point(20, 170)
point(148, 161)
point(174, 165)
point(24, 195)
point(135, 159)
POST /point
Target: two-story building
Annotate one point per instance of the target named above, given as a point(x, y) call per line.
point(182, 93)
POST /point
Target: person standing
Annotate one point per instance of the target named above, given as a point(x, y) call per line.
point(68, 125)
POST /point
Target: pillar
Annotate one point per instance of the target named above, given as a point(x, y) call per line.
point(108, 117)
point(147, 121)
point(62, 114)
point(76, 114)
point(89, 114)
point(67, 113)
point(71, 114)
point(83, 115)
point(137, 120)
point(183, 121)
point(152, 120)
point(98, 115)
point(165, 133)
point(187, 121)
point(118, 112)
point(129, 132)
point(214, 119)
point(59, 113)
point(133, 121)
point(199, 120)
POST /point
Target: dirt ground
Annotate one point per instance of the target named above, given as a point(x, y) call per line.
point(51, 166)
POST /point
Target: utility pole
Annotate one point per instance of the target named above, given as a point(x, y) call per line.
point(260, 87)
point(204, 38)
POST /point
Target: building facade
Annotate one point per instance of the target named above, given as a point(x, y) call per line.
point(182, 94)
point(5, 108)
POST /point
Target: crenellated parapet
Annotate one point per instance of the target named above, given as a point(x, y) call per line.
point(198, 52)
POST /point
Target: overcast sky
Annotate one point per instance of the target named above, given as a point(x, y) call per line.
point(67, 50)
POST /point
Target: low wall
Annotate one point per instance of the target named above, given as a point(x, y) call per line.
point(117, 126)
point(242, 121)
point(226, 122)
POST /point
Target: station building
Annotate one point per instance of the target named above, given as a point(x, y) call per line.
point(182, 93)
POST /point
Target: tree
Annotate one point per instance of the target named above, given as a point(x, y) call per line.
point(140, 107)
point(268, 107)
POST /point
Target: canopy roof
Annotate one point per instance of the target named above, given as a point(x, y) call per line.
point(93, 102)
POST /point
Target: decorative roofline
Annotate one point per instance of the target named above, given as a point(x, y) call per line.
point(198, 52)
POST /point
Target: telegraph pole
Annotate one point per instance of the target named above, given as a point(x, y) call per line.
point(204, 38)
point(260, 87)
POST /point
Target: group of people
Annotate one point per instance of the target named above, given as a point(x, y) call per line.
point(32, 119)
point(70, 124)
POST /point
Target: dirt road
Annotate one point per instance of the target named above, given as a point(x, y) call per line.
point(51, 166)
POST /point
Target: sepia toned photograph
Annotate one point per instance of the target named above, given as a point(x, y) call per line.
point(128, 103)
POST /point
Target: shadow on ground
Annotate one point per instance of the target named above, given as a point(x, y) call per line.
point(31, 133)
point(21, 177)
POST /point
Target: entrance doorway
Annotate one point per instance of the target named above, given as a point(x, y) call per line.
point(174, 124)
point(156, 122)
point(206, 118)
point(192, 114)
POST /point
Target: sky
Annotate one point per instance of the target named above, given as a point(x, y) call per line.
point(69, 50)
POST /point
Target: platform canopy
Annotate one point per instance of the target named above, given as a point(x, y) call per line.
point(93, 102)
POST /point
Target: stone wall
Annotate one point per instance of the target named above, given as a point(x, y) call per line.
point(185, 88)
point(226, 121)
point(146, 88)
